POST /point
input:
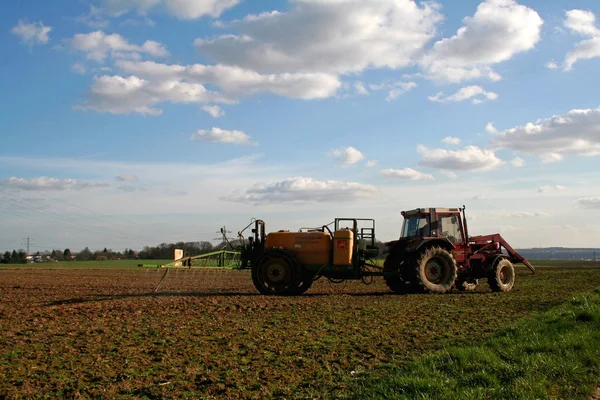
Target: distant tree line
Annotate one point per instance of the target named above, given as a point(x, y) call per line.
point(164, 251)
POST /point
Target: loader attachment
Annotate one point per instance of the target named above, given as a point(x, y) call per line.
point(515, 257)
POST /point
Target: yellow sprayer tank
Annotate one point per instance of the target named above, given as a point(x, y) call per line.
point(343, 243)
point(311, 248)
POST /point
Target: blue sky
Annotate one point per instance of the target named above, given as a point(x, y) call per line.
point(131, 123)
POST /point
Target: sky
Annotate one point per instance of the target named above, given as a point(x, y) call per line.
point(139, 122)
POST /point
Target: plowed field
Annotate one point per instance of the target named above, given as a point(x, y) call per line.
point(208, 334)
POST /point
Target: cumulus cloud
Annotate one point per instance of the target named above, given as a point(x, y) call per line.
point(497, 31)
point(302, 189)
point(151, 83)
point(490, 128)
point(551, 64)
point(346, 155)
point(119, 95)
point(214, 111)
point(518, 162)
point(47, 183)
point(407, 174)
point(371, 164)
point(183, 9)
point(476, 93)
point(583, 23)
point(32, 33)
point(471, 158)
point(550, 188)
point(338, 36)
point(451, 140)
point(99, 45)
point(218, 135)
point(236, 81)
point(127, 178)
point(78, 68)
point(574, 133)
point(588, 203)
point(398, 89)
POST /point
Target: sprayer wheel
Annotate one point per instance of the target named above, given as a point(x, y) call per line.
point(277, 272)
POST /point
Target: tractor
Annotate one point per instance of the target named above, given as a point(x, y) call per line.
point(434, 254)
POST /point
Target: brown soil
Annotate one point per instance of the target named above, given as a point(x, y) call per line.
point(105, 333)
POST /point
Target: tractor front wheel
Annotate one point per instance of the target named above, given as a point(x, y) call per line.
point(436, 270)
point(277, 272)
point(502, 276)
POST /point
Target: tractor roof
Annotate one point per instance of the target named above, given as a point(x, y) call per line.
point(421, 211)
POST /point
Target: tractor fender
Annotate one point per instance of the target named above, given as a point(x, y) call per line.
point(444, 243)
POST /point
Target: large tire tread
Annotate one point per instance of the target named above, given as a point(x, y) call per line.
point(431, 253)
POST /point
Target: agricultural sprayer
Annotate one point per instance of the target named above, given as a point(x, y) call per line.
point(433, 254)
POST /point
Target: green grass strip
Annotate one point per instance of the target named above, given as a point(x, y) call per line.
point(550, 356)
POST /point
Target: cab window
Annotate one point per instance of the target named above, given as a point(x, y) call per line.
point(448, 227)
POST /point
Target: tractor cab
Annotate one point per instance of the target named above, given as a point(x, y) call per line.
point(441, 223)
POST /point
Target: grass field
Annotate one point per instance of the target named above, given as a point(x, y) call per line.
point(103, 332)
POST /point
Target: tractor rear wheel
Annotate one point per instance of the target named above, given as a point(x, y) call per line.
point(502, 277)
point(392, 268)
point(277, 272)
point(436, 270)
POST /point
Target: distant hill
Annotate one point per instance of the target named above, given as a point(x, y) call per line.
point(561, 253)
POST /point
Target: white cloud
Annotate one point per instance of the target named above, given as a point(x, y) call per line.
point(550, 188)
point(518, 162)
point(497, 31)
point(548, 158)
point(95, 18)
point(47, 183)
point(99, 45)
point(588, 203)
point(490, 128)
point(406, 173)
point(346, 155)
point(184, 9)
point(371, 164)
point(481, 196)
point(527, 214)
point(574, 133)
point(214, 111)
point(360, 88)
point(218, 135)
point(449, 174)
point(32, 33)
point(399, 88)
point(119, 95)
point(471, 158)
point(338, 36)
point(236, 81)
point(127, 178)
point(583, 23)
point(302, 189)
point(451, 140)
point(78, 68)
point(551, 64)
point(476, 93)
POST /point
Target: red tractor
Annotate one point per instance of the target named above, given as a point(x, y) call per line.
point(435, 253)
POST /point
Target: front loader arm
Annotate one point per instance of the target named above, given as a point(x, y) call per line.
point(514, 256)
